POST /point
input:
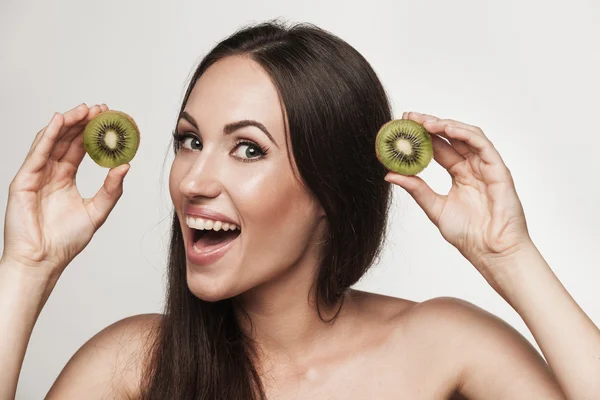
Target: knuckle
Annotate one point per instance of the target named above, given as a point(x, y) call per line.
point(114, 190)
point(107, 191)
point(59, 117)
point(16, 184)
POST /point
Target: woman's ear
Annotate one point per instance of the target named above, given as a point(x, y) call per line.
point(322, 213)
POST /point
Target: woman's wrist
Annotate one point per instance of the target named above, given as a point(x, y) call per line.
point(39, 274)
point(507, 273)
point(35, 283)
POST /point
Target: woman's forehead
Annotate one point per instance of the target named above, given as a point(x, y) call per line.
point(236, 88)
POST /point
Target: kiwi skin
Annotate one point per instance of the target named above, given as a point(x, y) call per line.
point(423, 146)
point(91, 145)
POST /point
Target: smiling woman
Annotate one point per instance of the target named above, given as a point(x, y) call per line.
point(280, 206)
point(251, 149)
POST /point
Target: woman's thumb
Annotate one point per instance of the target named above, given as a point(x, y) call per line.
point(426, 198)
point(106, 198)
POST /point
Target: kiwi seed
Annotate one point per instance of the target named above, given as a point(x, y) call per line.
point(404, 146)
point(111, 138)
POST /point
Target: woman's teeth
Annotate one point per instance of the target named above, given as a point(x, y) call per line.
point(208, 224)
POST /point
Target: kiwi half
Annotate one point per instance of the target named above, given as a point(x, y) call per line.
point(404, 146)
point(111, 138)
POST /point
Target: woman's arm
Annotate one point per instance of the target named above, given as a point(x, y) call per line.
point(567, 337)
point(23, 293)
point(47, 224)
point(482, 216)
point(109, 365)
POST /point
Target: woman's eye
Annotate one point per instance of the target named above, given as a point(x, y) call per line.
point(248, 151)
point(191, 143)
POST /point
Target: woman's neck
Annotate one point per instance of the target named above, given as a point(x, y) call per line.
point(284, 317)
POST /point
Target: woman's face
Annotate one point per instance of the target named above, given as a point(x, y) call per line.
point(244, 174)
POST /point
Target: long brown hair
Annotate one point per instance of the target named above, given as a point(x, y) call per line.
point(335, 105)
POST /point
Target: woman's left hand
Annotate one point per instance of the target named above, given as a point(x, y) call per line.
point(481, 215)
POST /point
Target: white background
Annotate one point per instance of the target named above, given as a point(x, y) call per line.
point(524, 71)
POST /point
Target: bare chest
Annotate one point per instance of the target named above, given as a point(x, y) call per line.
point(369, 375)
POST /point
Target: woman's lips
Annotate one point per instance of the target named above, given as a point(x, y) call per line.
point(207, 257)
point(207, 213)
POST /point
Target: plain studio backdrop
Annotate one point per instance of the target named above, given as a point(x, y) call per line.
point(526, 72)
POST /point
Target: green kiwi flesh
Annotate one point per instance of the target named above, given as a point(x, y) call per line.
point(404, 146)
point(111, 138)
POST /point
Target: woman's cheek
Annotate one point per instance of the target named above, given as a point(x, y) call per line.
point(266, 196)
point(174, 177)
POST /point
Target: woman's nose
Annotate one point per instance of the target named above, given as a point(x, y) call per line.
point(202, 179)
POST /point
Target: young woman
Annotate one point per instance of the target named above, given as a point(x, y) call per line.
point(274, 142)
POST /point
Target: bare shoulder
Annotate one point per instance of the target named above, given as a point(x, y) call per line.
point(379, 306)
point(483, 355)
point(108, 365)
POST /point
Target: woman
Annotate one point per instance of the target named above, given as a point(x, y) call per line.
point(275, 143)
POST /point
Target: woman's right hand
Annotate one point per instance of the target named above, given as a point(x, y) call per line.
point(47, 221)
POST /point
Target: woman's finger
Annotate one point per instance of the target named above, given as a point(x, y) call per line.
point(36, 139)
point(75, 122)
point(38, 155)
point(460, 147)
point(41, 132)
point(479, 144)
point(431, 202)
point(60, 124)
point(421, 118)
point(75, 154)
point(63, 145)
point(444, 154)
point(74, 115)
point(76, 151)
point(100, 206)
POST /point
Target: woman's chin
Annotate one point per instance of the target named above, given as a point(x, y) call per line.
point(209, 289)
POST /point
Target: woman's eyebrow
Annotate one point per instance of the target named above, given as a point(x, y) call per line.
point(233, 126)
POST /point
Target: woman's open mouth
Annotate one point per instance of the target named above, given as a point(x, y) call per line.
point(205, 246)
point(209, 240)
